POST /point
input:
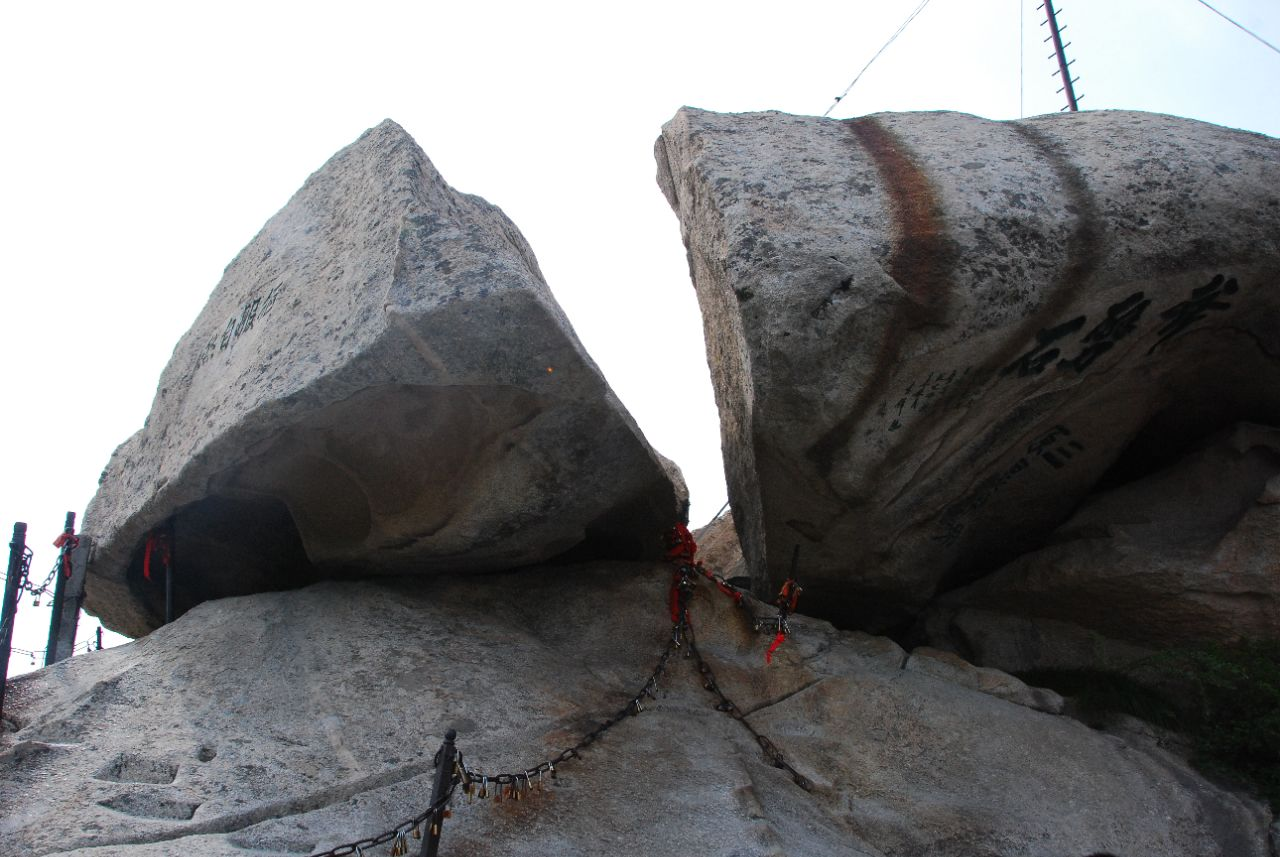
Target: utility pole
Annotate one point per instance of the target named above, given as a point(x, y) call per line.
point(1055, 33)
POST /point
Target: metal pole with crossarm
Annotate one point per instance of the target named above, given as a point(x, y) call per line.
point(1060, 49)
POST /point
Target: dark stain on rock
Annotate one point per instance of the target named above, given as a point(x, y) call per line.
point(1084, 245)
point(922, 256)
point(921, 261)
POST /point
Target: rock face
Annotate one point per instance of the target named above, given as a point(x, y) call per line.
point(1186, 555)
point(719, 548)
point(931, 335)
point(381, 382)
point(294, 722)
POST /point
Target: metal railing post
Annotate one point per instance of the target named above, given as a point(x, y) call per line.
point(445, 761)
point(168, 574)
point(72, 599)
point(12, 583)
point(52, 653)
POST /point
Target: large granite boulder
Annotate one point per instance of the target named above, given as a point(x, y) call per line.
point(381, 383)
point(931, 335)
point(1184, 556)
point(294, 722)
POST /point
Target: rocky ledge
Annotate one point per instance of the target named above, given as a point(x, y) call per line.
point(293, 722)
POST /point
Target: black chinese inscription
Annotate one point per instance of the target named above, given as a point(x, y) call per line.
point(251, 312)
point(1203, 301)
point(1035, 360)
point(1122, 320)
point(921, 395)
point(1056, 447)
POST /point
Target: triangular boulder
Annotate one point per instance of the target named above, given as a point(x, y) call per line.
point(382, 383)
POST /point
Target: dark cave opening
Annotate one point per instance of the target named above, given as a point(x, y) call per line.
point(222, 547)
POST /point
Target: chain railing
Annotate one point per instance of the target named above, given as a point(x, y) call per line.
point(81, 648)
point(400, 835)
point(22, 570)
point(453, 772)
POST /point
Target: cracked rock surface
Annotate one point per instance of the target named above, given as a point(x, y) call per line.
point(931, 335)
point(291, 722)
point(383, 383)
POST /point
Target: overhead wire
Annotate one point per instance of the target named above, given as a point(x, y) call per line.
point(896, 33)
point(1238, 24)
point(82, 647)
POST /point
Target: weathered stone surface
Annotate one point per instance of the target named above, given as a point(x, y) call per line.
point(1186, 555)
point(931, 335)
point(1016, 643)
point(953, 668)
point(381, 382)
point(719, 548)
point(720, 551)
point(298, 721)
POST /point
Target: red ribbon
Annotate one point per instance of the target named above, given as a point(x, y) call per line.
point(721, 585)
point(153, 541)
point(789, 596)
point(683, 547)
point(773, 647)
point(72, 542)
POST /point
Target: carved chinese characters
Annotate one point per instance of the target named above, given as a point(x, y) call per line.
point(932, 335)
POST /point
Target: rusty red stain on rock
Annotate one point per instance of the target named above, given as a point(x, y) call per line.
point(922, 257)
point(921, 263)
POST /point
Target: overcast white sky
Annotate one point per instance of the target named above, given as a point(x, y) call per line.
point(145, 143)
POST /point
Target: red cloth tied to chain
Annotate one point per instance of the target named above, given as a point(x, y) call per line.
point(721, 585)
point(155, 541)
point(681, 550)
point(788, 596)
point(773, 647)
point(71, 542)
point(675, 595)
point(681, 546)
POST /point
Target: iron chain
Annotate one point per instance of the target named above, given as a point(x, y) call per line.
point(510, 784)
point(402, 830)
point(727, 705)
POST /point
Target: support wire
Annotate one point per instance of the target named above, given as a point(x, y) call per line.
point(1238, 24)
point(896, 33)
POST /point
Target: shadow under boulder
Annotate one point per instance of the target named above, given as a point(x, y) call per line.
point(1183, 556)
